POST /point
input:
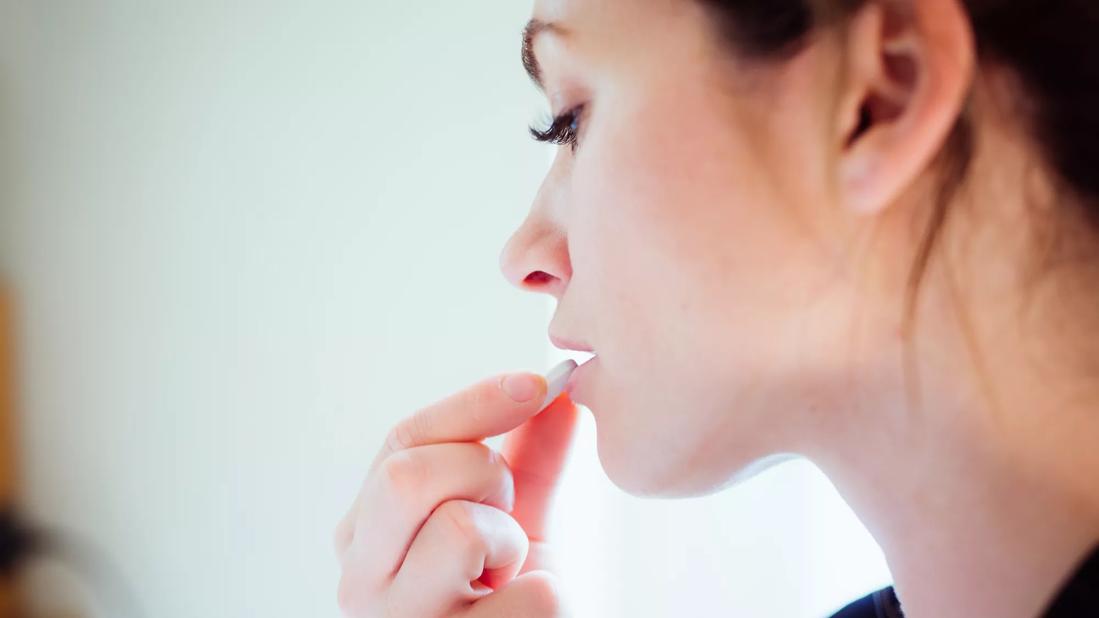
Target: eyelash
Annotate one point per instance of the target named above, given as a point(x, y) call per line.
point(561, 130)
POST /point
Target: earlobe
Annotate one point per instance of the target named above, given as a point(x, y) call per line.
point(909, 68)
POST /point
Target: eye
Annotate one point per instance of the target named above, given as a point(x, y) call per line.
point(564, 129)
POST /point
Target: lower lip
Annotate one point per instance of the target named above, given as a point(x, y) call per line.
point(577, 377)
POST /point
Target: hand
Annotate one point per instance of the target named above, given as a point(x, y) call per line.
point(444, 526)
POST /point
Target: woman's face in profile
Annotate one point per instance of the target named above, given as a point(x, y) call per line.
point(689, 238)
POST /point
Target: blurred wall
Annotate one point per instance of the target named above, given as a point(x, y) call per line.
point(246, 238)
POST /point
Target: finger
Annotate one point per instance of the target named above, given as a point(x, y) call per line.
point(536, 594)
point(411, 484)
point(457, 545)
point(480, 411)
point(536, 452)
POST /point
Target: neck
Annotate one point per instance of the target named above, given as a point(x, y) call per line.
point(976, 529)
point(983, 497)
point(981, 489)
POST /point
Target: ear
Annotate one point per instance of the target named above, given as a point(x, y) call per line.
point(909, 66)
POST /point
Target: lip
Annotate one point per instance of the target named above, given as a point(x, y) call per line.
point(574, 381)
point(565, 344)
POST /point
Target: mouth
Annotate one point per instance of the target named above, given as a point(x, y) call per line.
point(575, 380)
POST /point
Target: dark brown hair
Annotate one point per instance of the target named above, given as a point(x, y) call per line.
point(1051, 47)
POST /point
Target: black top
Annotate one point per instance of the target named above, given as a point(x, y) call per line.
point(1077, 598)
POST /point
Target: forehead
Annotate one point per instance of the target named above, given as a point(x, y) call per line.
point(560, 9)
point(623, 33)
point(596, 14)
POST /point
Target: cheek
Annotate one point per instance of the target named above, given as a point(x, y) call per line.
point(696, 271)
point(679, 229)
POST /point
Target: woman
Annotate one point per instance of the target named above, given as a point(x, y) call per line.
point(859, 231)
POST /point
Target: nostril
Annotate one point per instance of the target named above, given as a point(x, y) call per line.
point(538, 277)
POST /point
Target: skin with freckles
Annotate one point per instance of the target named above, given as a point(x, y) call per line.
point(734, 238)
point(679, 194)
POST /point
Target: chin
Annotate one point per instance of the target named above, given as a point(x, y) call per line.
point(651, 444)
point(652, 462)
point(636, 480)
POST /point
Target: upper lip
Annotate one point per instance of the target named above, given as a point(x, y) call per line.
point(566, 344)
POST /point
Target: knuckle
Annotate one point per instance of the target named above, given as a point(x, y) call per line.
point(403, 435)
point(403, 473)
point(491, 455)
point(506, 479)
point(462, 527)
point(492, 458)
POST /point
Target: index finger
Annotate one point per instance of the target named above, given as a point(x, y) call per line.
point(480, 411)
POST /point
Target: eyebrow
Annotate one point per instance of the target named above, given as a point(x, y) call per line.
point(530, 62)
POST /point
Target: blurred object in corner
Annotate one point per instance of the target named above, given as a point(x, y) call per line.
point(10, 545)
point(21, 541)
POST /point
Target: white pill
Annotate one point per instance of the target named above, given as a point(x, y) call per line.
point(556, 379)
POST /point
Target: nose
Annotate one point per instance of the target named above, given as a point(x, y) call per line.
point(536, 257)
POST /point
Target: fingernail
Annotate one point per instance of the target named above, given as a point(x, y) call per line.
point(521, 387)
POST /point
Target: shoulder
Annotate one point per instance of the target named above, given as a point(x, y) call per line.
point(1079, 595)
point(878, 604)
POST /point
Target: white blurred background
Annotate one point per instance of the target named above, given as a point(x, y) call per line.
point(244, 238)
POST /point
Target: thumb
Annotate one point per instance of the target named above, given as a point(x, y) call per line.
point(536, 452)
